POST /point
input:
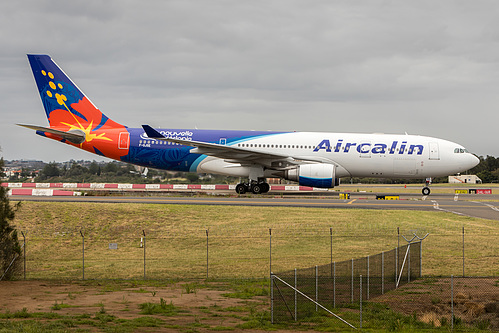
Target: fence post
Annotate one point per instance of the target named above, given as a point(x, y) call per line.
point(83, 253)
point(420, 258)
point(463, 251)
point(144, 233)
point(271, 298)
point(397, 256)
point(270, 251)
point(367, 285)
point(382, 272)
point(207, 254)
point(331, 245)
point(316, 287)
point(452, 301)
point(334, 284)
point(296, 297)
point(24, 255)
point(271, 278)
point(409, 264)
point(352, 284)
point(360, 293)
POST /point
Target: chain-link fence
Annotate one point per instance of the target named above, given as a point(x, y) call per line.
point(338, 283)
point(126, 253)
point(90, 256)
point(450, 302)
point(389, 281)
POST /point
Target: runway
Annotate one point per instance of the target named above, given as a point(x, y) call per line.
point(466, 205)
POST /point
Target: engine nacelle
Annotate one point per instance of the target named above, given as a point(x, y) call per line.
point(315, 175)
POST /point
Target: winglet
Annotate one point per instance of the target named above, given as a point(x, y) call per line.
point(152, 133)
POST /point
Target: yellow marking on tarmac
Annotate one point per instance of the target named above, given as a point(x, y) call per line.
point(351, 201)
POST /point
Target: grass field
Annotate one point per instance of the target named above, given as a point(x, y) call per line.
point(176, 241)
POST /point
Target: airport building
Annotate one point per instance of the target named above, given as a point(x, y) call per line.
point(465, 179)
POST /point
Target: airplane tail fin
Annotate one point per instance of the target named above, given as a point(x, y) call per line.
point(70, 111)
point(59, 93)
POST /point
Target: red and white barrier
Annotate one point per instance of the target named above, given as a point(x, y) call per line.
point(42, 192)
point(49, 189)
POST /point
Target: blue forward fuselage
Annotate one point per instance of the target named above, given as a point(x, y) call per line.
point(171, 156)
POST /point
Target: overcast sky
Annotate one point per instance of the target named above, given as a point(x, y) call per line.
point(421, 67)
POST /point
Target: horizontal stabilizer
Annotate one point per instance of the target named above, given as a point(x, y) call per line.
point(75, 136)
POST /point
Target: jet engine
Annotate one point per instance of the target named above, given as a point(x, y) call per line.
point(315, 175)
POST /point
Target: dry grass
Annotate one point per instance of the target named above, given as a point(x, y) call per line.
point(238, 239)
point(431, 318)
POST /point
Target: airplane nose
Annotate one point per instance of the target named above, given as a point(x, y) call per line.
point(473, 161)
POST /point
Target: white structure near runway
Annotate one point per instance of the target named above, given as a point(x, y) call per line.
point(465, 179)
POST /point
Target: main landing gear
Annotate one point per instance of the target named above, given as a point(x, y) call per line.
point(253, 187)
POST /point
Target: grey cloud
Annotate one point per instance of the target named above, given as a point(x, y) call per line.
point(424, 67)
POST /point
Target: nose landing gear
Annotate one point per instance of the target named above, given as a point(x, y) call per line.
point(426, 189)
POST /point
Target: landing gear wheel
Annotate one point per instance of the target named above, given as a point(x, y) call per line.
point(426, 191)
point(265, 187)
point(240, 188)
point(256, 188)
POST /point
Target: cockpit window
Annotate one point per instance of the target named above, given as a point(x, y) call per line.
point(460, 150)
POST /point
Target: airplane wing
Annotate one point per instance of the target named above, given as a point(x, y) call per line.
point(73, 136)
point(236, 154)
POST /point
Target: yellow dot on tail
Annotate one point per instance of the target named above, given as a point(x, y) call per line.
point(59, 85)
point(52, 85)
point(44, 73)
point(60, 99)
point(51, 75)
point(49, 93)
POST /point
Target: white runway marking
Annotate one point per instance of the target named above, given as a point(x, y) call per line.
point(488, 205)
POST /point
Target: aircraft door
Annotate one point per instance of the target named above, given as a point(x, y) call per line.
point(434, 153)
point(124, 140)
point(223, 141)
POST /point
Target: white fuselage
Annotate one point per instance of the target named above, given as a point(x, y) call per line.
point(356, 155)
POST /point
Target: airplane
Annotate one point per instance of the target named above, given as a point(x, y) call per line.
point(316, 159)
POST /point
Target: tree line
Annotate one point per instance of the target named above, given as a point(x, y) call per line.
point(118, 172)
point(487, 169)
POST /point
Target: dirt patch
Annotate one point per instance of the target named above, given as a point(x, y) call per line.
point(476, 301)
point(203, 307)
